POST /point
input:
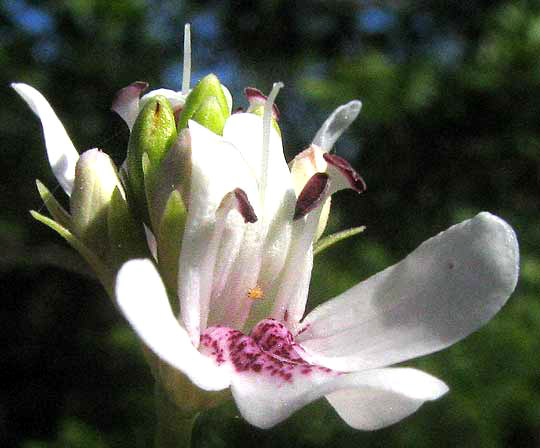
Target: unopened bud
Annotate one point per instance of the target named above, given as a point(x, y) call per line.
point(96, 179)
point(153, 134)
point(206, 102)
point(210, 116)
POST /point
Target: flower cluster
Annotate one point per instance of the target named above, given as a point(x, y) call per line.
point(206, 215)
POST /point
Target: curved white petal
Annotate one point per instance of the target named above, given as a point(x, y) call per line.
point(142, 298)
point(62, 154)
point(366, 400)
point(336, 124)
point(126, 103)
point(177, 99)
point(245, 131)
point(447, 288)
point(217, 168)
point(382, 397)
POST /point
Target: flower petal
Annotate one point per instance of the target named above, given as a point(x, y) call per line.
point(381, 397)
point(126, 102)
point(447, 288)
point(62, 154)
point(177, 99)
point(245, 131)
point(293, 283)
point(142, 298)
point(213, 160)
point(336, 124)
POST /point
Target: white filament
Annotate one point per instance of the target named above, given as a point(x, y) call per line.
point(267, 122)
point(186, 76)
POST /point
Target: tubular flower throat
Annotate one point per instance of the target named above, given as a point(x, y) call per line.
point(206, 214)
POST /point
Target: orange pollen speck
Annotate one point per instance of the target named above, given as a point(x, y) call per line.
point(255, 293)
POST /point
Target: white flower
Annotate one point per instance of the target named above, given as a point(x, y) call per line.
point(447, 288)
point(244, 274)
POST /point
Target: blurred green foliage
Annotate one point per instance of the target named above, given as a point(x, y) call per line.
point(450, 126)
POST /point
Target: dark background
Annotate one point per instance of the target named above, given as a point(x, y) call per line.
point(450, 126)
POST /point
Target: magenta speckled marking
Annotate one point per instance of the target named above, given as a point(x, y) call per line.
point(270, 350)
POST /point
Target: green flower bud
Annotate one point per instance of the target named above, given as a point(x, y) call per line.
point(206, 102)
point(96, 179)
point(210, 116)
point(153, 134)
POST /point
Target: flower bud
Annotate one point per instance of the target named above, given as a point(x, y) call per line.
point(153, 134)
point(96, 179)
point(207, 104)
point(210, 116)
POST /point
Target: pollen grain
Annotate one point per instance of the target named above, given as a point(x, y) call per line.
point(255, 293)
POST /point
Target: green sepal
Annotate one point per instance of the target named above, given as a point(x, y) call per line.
point(330, 240)
point(210, 115)
point(169, 240)
point(259, 111)
point(126, 236)
point(59, 213)
point(208, 87)
point(103, 272)
point(153, 134)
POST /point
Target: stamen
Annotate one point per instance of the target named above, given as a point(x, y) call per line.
point(255, 293)
point(186, 76)
point(267, 122)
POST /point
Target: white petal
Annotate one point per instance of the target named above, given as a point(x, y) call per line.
point(217, 169)
point(447, 288)
point(177, 99)
point(336, 124)
point(62, 154)
point(293, 284)
point(382, 397)
point(126, 103)
point(366, 400)
point(142, 298)
point(233, 306)
point(245, 131)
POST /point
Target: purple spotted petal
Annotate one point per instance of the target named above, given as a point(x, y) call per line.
point(270, 380)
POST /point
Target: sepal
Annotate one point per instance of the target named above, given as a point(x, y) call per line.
point(104, 274)
point(330, 240)
point(55, 209)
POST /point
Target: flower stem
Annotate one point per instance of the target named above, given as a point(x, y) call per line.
point(174, 426)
